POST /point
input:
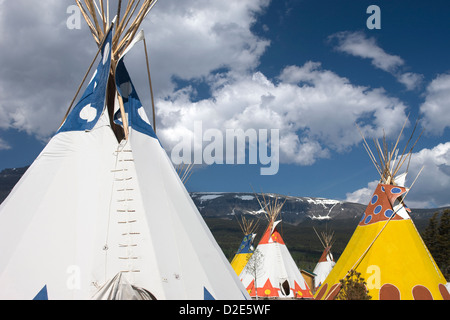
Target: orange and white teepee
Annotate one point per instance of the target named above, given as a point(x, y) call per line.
point(271, 272)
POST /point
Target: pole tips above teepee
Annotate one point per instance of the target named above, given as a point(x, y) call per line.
point(271, 206)
point(326, 238)
point(97, 14)
point(248, 226)
point(128, 17)
point(389, 161)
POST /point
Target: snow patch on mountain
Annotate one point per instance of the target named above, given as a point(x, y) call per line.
point(245, 197)
point(322, 201)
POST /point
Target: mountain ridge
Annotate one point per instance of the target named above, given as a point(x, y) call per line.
point(296, 209)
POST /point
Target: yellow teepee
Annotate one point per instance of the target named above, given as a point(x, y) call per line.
point(386, 247)
point(246, 248)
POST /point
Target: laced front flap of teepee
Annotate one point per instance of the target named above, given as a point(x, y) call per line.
point(126, 216)
point(123, 245)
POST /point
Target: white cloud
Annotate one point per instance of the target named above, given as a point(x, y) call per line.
point(42, 64)
point(362, 195)
point(42, 68)
point(4, 145)
point(43, 61)
point(410, 80)
point(430, 190)
point(436, 108)
point(191, 39)
point(358, 45)
point(314, 109)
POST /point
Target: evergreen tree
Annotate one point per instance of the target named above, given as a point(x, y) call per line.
point(353, 287)
point(443, 244)
point(429, 235)
point(437, 239)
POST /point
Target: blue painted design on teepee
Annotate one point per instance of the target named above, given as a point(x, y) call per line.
point(87, 111)
point(131, 102)
point(42, 295)
point(246, 245)
point(207, 294)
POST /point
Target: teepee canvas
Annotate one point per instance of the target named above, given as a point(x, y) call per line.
point(386, 248)
point(246, 248)
point(326, 261)
point(102, 213)
point(271, 271)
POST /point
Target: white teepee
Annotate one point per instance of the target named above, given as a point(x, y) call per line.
point(326, 261)
point(98, 216)
point(271, 271)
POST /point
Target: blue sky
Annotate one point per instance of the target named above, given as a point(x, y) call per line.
point(311, 69)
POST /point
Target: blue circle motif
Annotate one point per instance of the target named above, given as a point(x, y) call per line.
point(368, 219)
point(374, 199)
point(388, 213)
point(396, 190)
point(377, 209)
